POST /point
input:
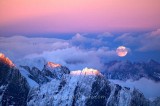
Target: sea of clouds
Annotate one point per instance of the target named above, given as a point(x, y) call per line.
point(80, 50)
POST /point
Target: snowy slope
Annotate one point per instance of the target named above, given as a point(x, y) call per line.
point(26, 74)
point(84, 90)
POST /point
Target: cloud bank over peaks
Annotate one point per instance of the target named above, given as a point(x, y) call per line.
point(82, 50)
point(76, 58)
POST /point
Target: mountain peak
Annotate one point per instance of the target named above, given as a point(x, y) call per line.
point(6, 60)
point(53, 65)
point(86, 71)
point(1, 55)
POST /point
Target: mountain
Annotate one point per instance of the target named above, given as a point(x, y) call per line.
point(54, 70)
point(13, 86)
point(156, 102)
point(124, 70)
point(55, 84)
point(84, 89)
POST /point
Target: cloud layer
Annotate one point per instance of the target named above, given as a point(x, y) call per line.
point(82, 50)
point(76, 53)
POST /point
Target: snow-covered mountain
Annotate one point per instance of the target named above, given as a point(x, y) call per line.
point(84, 89)
point(56, 85)
point(124, 70)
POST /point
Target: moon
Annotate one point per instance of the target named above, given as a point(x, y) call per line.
point(121, 51)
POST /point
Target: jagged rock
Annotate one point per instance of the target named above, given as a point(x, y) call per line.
point(124, 70)
point(13, 86)
point(84, 90)
point(54, 70)
point(36, 75)
point(156, 102)
point(56, 85)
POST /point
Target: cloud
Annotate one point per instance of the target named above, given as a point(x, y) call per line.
point(79, 51)
point(76, 53)
point(143, 42)
point(105, 34)
point(76, 58)
point(128, 38)
point(86, 42)
point(151, 41)
point(20, 46)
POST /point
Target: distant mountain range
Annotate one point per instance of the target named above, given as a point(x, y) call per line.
point(124, 70)
point(56, 85)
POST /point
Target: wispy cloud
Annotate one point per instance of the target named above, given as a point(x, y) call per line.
point(20, 46)
point(105, 34)
point(143, 42)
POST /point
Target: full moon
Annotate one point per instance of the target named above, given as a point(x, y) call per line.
point(121, 51)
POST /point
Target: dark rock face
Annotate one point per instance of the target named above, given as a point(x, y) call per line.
point(5, 73)
point(114, 98)
point(55, 72)
point(16, 91)
point(124, 70)
point(36, 75)
point(13, 87)
point(138, 99)
point(156, 102)
point(100, 93)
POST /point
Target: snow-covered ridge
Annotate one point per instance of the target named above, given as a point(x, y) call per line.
point(86, 71)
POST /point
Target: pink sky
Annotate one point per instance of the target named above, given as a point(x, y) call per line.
point(78, 15)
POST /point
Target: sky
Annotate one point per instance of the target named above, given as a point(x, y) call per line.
point(80, 33)
point(72, 16)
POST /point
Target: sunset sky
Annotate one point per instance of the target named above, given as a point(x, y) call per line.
point(80, 33)
point(68, 16)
